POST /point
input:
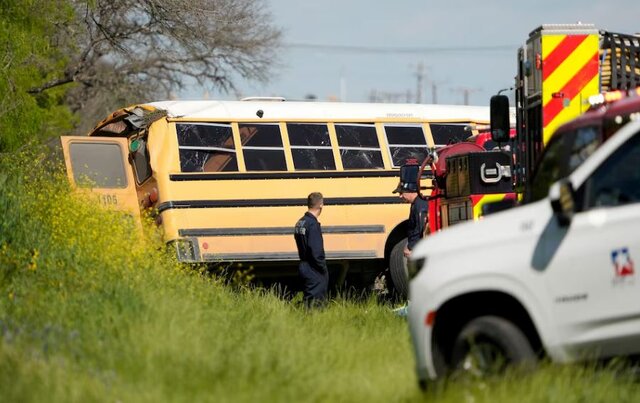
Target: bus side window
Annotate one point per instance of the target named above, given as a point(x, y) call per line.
point(405, 142)
point(206, 147)
point(262, 147)
point(140, 159)
point(359, 147)
point(98, 165)
point(444, 134)
point(311, 146)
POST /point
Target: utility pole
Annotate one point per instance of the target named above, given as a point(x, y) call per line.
point(343, 85)
point(466, 92)
point(419, 77)
point(373, 96)
point(434, 90)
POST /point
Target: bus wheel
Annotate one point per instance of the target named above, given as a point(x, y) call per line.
point(489, 344)
point(398, 270)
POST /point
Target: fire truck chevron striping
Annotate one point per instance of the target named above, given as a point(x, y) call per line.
point(479, 201)
point(559, 68)
point(570, 74)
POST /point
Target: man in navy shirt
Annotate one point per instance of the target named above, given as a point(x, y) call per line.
point(313, 266)
point(418, 214)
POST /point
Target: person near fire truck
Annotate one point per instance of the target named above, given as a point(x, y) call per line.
point(418, 213)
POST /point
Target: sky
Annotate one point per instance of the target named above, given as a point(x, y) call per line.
point(358, 50)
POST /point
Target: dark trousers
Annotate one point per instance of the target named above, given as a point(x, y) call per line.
point(315, 284)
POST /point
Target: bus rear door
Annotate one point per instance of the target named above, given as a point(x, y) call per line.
point(101, 164)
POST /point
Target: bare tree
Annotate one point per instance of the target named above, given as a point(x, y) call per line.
point(125, 50)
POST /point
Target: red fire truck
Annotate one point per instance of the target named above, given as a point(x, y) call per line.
point(466, 177)
point(466, 182)
point(559, 68)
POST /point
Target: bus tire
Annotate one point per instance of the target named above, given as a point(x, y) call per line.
point(398, 270)
point(488, 345)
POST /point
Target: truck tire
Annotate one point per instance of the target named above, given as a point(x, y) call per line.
point(398, 270)
point(489, 344)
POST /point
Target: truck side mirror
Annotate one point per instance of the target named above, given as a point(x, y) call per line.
point(562, 198)
point(500, 127)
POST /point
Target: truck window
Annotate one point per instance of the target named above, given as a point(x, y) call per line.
point(359, 147)
point(585, 143)
point(98, 165)
point(206, 147)
point(564, 153)
point(311, 146)
point(617, 180)
point(551, 168)
point(405, 141)
point(262, 147)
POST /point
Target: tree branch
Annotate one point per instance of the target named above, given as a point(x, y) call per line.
point(51, 84)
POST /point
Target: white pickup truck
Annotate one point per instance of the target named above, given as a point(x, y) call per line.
point(555, 277)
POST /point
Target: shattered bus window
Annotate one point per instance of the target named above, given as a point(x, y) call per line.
point(313, 158)
point(444, 134)
point(308, 134)
point(361, 159)
point(399, 155)
point(359, 146)
point(262, 147)
point(405, 142)
point(207, 161)
point(206, 147)
point(311, 146)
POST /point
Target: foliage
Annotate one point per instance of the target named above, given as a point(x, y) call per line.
point(67, 64)
point(130, 52)
point(28, 56)
point(91, 310)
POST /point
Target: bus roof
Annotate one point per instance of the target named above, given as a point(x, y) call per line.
point(330, 111)
point(128, 120)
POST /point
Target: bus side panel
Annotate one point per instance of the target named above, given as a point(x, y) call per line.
point(358, 216)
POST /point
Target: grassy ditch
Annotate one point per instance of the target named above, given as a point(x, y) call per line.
point(90, 310)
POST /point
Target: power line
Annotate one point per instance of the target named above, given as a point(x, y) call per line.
point(409, 50)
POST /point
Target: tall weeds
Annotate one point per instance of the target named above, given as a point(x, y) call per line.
point(92, 310)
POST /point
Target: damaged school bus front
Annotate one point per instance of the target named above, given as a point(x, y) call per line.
point(113, 160)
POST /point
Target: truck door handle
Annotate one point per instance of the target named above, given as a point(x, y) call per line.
point(497, 173)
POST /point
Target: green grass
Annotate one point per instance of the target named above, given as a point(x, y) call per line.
point(90, 310)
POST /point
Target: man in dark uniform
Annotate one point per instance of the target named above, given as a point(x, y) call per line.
point(418, 214)
point(313, 266)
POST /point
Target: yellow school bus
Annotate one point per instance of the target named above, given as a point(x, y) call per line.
point(229, 179)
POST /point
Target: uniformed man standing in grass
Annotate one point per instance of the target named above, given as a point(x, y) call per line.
point(313, 266)
point(418, 213)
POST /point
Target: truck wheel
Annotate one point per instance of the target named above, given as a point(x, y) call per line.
point(488, 344)
point(398, 270)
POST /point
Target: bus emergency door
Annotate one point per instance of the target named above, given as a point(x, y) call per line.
point(101, 164)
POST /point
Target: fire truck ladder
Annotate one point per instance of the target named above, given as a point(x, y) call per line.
point(619, 61)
